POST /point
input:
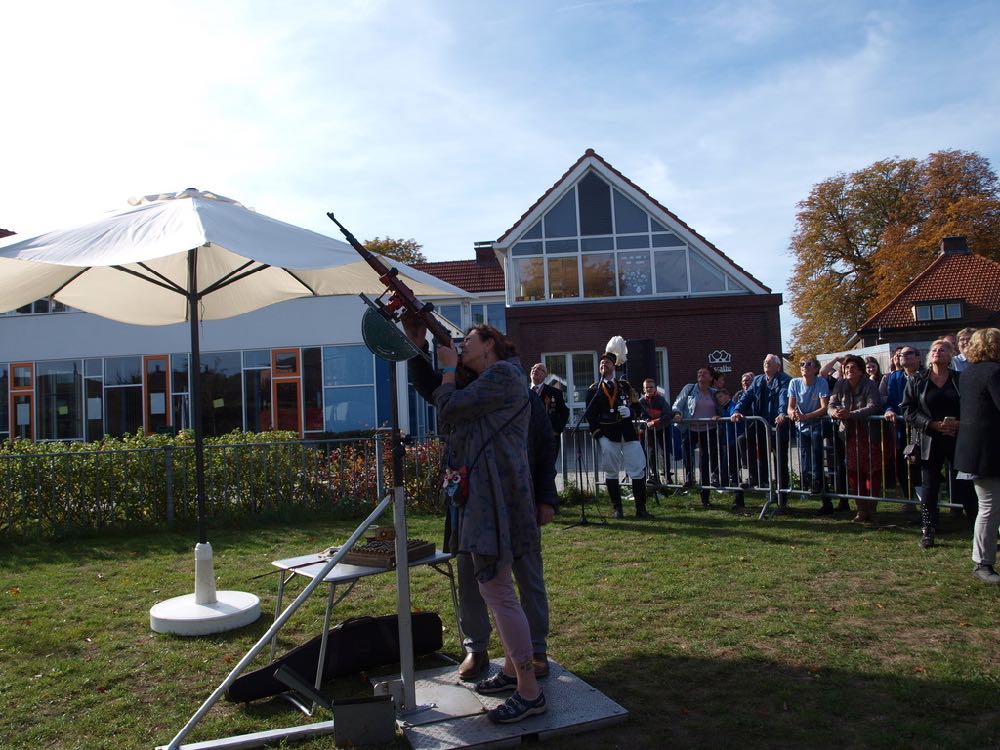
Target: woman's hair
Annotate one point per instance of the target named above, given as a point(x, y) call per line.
point(878, 367)
point(951, 352)
point(503, 347)
point(853, 359)
point(984, 346)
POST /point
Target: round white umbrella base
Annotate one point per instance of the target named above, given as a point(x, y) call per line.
point(182, 615)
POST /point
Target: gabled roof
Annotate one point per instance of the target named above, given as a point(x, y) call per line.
point(471, 275)
point(968, 277)
point(591, 158)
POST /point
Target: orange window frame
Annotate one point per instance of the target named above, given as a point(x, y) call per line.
point(276, 353)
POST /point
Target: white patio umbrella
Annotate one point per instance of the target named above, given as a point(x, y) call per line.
point(189, 256)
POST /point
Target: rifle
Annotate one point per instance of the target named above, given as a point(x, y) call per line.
point(402, 300)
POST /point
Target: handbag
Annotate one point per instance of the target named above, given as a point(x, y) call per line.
point(911, 454)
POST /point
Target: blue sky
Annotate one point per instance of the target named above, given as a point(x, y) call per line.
point(443, 121)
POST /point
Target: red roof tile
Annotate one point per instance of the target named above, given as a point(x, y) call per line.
point(970, 277)
point(591, 153)
point(470, 275)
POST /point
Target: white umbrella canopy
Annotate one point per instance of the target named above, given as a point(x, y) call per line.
point(190, 256)
point(132, 265)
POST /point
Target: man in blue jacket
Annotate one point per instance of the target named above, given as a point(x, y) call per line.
point(767, 397)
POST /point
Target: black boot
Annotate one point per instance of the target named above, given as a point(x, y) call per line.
point(639, 493)
point(704, 499)
point(826, 509)
point(615, 491)
point(927, 513)
point(843, 506)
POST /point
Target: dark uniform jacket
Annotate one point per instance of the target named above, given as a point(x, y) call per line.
point(555, 407)
point(602, 410)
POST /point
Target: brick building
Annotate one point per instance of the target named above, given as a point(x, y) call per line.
point(596, 256)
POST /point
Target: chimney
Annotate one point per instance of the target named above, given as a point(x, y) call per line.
point(954, 246)
point(484, 253)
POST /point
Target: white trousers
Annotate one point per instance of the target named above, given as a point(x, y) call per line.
point(616, 457)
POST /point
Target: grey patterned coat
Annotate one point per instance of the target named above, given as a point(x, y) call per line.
point(497, 524)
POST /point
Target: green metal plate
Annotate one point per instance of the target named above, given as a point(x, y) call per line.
point(384, 339)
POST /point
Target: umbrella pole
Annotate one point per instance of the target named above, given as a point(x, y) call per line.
point(204, 565)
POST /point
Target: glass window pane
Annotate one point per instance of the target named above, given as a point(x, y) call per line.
point(22, 376)
point(350, 409)
point(629, 217)
point(348, 365)
point(937, 312)
point(667, 240)
point(312, 388)
point(670, 269)
point(179, 374)
point(257, 358)
point(286, 362)
point(257, 395)
point(529, 279)
point(286, 405)
point(478, 314)
point(657, 226)
point(597, 243)
point(633, 274)
point(628, 243)
point(535, 233)
point(954, 310)
point(496, 316)
point(123, 371)
point(584, 373)
point(561, 246)
point(4, 408)
point(733, 285)
point(560, 221)
point(156, 394)
point(556, 365)
point(527, 248)
point(60, 394)
point(564, 278)
point(94, 409)
point(595, 205)
point(599, 275)
point(181, 404)
point(704, 278)
point(122, 410)
point(923, 312)
point(451, 313)
point(93, 368)
point(222, 392)
point(40, 306)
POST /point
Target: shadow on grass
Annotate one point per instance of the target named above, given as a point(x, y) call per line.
point(678, 701)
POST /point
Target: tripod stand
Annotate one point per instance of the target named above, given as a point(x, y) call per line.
point(577, 441)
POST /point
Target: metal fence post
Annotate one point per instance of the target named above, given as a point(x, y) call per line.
point(168, 470)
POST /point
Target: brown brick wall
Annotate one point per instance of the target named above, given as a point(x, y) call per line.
point(747, 327)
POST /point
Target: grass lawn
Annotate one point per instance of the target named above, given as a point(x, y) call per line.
point(713, 629)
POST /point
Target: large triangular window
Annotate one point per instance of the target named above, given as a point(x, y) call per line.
point(595, 242)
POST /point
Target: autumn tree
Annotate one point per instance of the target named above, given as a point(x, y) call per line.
point(405, 251)
point(860, 238)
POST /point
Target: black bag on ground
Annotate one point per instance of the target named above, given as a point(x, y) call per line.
point(353, 646)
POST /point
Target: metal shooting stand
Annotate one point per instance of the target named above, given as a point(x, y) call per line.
point(384, 339)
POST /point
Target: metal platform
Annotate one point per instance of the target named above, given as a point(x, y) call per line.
point(574, 707)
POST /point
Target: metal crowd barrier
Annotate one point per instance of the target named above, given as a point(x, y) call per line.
point(862, 462)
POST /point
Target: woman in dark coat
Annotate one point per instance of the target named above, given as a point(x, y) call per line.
point(488, 420)
point(931, 407)
point(977, 454)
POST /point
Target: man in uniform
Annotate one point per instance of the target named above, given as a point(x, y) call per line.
point(552, 398)
point(612, 404)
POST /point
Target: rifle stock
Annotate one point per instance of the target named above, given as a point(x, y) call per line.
point(403, 296)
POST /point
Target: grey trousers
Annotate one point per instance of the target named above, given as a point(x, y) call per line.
point(984, 536)
point(474, 615)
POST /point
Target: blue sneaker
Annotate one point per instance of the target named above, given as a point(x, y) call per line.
point(516, 708)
